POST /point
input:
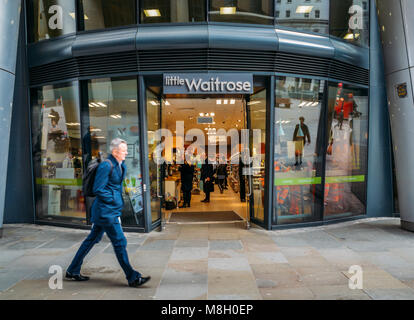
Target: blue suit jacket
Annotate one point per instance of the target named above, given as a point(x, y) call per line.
point(108, 203)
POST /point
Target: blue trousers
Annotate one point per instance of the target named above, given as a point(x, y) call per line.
point(119, 242)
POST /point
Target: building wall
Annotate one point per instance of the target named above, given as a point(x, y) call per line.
point(396, 25)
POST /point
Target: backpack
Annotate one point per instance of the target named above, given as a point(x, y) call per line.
point(89, 176)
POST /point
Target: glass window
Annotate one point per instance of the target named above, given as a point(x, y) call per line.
point(50, 18)
point(346, 154)
point(101, 14)
point(304, 15)
point(242, 11)
point(349, 20)
point(113, 113)
point(57, 153)
point(298, 150)
point(173, 11)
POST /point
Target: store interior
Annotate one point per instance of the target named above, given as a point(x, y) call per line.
point(212, 115)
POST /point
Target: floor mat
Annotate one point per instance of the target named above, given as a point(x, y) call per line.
point(204, 216)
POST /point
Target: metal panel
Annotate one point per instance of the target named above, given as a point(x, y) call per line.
point(351, 54)
point(242, 38)
point(9, 31)
point(49, 51)
point(172, 37)
point(104, 42)
point(6, 104)
point(379, 186)
point(306, 44)
point(402, 115)
point(407, 7)
point(392, 35)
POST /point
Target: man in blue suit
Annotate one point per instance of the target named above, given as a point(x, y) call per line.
point(105, 215)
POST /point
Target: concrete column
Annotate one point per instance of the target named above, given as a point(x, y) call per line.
point(9, 33)
point(396, 26)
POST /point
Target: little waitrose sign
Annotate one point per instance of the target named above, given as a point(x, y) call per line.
point(210, 83)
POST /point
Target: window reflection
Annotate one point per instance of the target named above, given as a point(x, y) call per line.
point(164, 11)
point(113, 113)
point(304, 15)
point(51, 18)
point(349, 20)
point(242, 11)
point(346, 159)
point(57, 153)
point(101, 14)
point(298, 161)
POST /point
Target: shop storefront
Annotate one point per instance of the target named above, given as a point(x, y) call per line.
point(303, 86)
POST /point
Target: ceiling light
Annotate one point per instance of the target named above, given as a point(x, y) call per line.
point(225, 101)
point(152, 13)
point(153, 103)
point(212, 114)
point(227, 10)
point(308, 104)
point(253, 102)
point(232, 101)
point(102, 104)
point(207, 114)
point(239, 120)
point(132, 100)
point(315, 104)
point(167, 103)
point(218, 101)
point(100, 137)
point(201, 114)
point(304, 9)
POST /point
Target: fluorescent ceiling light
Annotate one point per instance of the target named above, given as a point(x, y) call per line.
point(304, 9)
point(227, 10)
point(308, 104)
point(253, 102)
point(212, 114)
point(167, 103)
point(232, 101)
point(152, 13)
point(218, 101)
point(201, 114)
point(302, 103)
point(132, 100)
point(153, 103)
point(207, 115)
point(102, 104)
point(225, 101)
point(315, 104)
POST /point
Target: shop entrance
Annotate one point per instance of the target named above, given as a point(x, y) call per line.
point(205, 127)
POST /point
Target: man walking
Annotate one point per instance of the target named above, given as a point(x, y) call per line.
point(105, 215)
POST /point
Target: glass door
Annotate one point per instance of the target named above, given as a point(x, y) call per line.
point(256, 123)
point(153, 108)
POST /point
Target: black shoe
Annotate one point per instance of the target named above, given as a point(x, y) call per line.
point(139, 281)
point(205, 200)
point(76, 277)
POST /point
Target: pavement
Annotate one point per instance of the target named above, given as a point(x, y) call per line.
point(217, 262)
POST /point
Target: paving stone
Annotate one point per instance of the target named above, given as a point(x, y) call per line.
point(24, 245)
point(235, 264)
point(338, 292)
point(391, 294)
point(194, 243)
point(59, 244)
point(235, 297)
point(266, 257)
point(230, 282)
point(225, 245)
point(296, 293)
point(189, 253)
point(131, 248)
point(163, 245)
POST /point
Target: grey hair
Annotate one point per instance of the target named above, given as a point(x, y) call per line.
point(115, 143)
